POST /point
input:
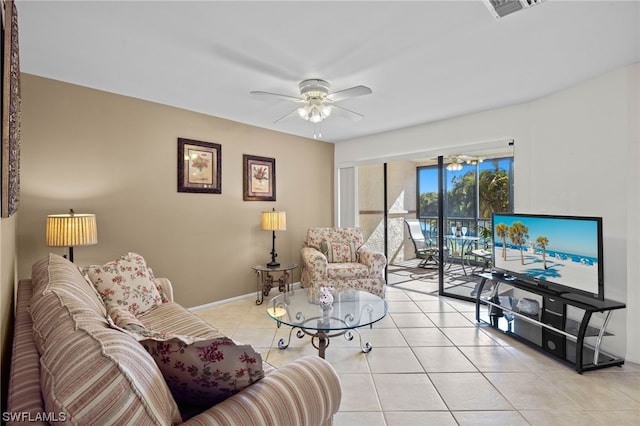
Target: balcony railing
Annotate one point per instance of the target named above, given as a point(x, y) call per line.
point(473, 227)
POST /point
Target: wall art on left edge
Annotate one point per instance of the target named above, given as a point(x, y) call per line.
point(10, 110)
point(199, 166)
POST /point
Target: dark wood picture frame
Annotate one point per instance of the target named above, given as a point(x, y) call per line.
point(199, 166)
point(11, 115)
point(258, 178)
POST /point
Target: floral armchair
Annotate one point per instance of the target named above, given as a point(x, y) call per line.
point(337, 257)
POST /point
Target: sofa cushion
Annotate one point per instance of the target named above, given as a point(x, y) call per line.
point(76, 284)
point(208, 371)
point(90, 371)
point(80, 297)
point(347, 270)
point(126, 282)
point(172, 317)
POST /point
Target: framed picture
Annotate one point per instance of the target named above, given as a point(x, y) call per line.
point(259, 178)
point(199, 166)
point(11, 113)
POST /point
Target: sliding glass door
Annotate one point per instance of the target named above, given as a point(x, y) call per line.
point(462, 195)
point(451, 196)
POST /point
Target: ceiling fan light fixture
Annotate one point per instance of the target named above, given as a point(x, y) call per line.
point(455, 164)
point(314, 111)
point(474, 161)
point(454, 167)
point(315, 118)
point(457, 161)
point(314, 94)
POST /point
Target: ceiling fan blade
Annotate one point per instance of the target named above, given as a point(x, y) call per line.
point(355, 116)
point(349, 93)
point(276, 95)
point(287, 115)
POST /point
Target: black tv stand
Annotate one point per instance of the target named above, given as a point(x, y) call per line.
point(548, 328)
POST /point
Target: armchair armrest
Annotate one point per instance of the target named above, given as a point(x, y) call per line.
point(304, 392)
point(314, 263)
point(376, 261)
point(166, 288)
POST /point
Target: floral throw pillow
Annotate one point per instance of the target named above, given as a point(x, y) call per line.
point(344, 252)
point(126, 282)
point(339, 252)
point(205, 372)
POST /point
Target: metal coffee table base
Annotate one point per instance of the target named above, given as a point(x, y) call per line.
point(309, 314)
point(321, 339)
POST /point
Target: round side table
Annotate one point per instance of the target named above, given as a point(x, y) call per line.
point(266, 280)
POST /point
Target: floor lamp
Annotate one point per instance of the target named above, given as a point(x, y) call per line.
point(71, 229)
point(274, 221)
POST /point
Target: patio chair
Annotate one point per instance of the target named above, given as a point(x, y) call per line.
point(424, 248)
point(484, 258)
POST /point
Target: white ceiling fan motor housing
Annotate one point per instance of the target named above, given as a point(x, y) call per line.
point(314, 88)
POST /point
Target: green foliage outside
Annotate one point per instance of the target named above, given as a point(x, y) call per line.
point(494, 191)
point(493, 186)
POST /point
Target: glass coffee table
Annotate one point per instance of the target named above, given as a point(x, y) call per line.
point(350, 310)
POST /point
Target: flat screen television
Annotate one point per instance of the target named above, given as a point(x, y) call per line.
point(560, 253)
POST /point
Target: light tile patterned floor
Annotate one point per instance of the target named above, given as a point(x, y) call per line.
point(433, 365)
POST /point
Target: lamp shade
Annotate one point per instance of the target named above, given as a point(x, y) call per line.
point(71, 229)
point(274, 221)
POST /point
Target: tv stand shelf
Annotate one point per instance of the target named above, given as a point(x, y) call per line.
point(549, 328)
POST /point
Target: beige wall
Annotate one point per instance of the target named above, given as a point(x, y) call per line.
point(7, 279)
point(115, 156)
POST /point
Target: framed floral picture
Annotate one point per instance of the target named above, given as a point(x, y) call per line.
point(259, 178)
point(199, 166)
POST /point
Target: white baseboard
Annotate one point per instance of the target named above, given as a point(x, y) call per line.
point(232, 299)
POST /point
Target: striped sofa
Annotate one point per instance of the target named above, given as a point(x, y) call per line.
point(70, 366)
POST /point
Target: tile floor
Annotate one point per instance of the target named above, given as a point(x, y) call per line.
point(432, 364)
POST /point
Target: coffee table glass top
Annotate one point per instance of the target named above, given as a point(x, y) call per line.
point(350, 309)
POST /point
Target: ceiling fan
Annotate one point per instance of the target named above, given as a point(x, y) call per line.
point(317, 102)
point(456, 161)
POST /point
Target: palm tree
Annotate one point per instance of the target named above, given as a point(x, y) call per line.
point(493, 186)
point(543, 242)
point(518, 233)
point(501, 231)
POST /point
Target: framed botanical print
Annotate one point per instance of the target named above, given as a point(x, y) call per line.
point(259, 178)
point(199, 166)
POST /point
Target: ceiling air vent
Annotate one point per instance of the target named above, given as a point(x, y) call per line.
point(501, 8)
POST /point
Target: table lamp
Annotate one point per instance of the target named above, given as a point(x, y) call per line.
point(71, 229)
point(274, 221)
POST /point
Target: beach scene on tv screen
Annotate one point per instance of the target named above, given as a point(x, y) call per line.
point(558, 250)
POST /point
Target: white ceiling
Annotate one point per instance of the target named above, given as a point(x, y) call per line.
point(424, 60)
